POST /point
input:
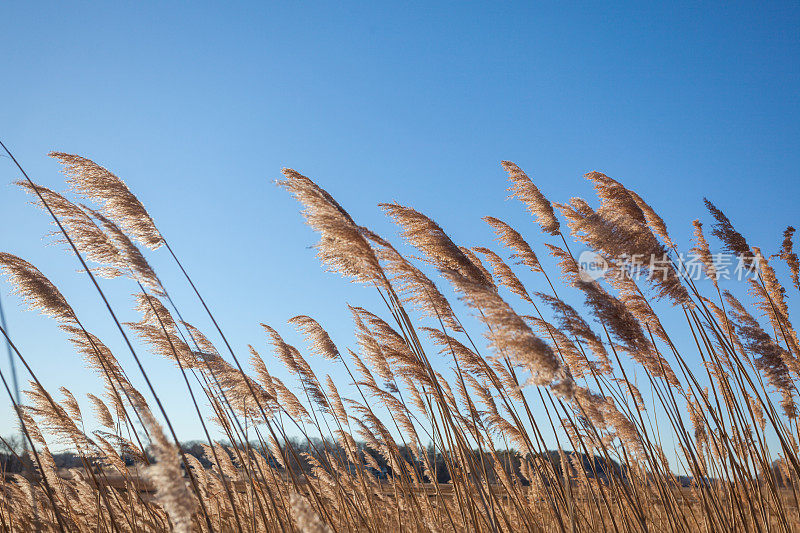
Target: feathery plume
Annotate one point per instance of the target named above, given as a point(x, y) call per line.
point(570, 320)
point(618, 235)
point(101, 411)
point(206, 347)
point(723, 330)
point(614, 197)
point(154, 312)
point(393, 346)
point(503, 273)
point(97, 355)
point(629, 294)
point(306, 519)
point(509, 333)
point(771, 359)
point(776, 291)
point(131, 255)
point(510, 336)
point(94, 182)
point(696, 418)
point(295, 363)
point(411, 285)
point(475, 260)
point(732, 240)
point(55, 419)
point(788, 255)
point(318, 339)
point(363, 370)
point(88, 238)
point(261, 371)
point(342, 248)
point(370, 348)
point(429, 238)
point(523, 188)
point(626, 329)
point(337, 407)
point(38, 293)
point(771, 299)
point(576, 362)
point(511, 238)
point(654, 221)
point(167, 477)
point(159, 330)
point(570, 271)
point(71, 405)
point(289, 402)
point(467, 359)
point(702, 251)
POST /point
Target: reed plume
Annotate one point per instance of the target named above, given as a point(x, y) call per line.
point(653, 219)
point(511, 238)
point(773, 360)
point(318, 339)
point(732, 240)
point(411, 285)
point(132, 257)
point(342, 247)
point(702, 251)
point(94, 182)
point(510, 336)
point(787, 254)
point(306, 519)
point(581, 414)
point(572, 322)
point(616, 234)
point(523, 188)
point(503, 273)
point(85, 234)
point(167, 477)
point(614, 197)
point(35, 289)
point(430, 239)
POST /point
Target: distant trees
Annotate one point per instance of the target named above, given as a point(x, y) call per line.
point(11, 452)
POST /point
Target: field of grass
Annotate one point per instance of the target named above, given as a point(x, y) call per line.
point(531, 422)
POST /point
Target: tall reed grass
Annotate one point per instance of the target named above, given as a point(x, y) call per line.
point(534, 423)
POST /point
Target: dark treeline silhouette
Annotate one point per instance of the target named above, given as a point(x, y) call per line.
point(12, 453)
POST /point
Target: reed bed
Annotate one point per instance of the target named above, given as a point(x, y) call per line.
point(532, 421)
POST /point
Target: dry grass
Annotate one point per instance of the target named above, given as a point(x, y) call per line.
point(513, 421)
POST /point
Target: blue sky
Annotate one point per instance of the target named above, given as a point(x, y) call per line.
point(198, 106)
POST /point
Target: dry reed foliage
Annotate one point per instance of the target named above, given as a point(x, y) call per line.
point(171, 490)
point(35, 289)
point(566, 417)
point(529, 194)
point(788, 255)
point(511, 238)
point(732, 240)
point(342, 247)
point(95, 183)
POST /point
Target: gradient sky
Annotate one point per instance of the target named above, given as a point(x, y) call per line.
point(198, 106)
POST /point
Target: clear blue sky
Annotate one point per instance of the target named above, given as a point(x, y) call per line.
point(198, 106)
